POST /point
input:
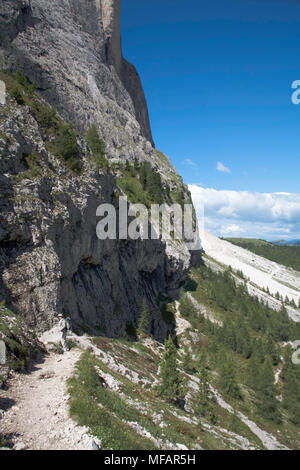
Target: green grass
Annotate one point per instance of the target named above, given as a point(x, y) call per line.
point(175, 429)
point(177, 196)
point(141, 183)
point(106, 413)
point(212, 340)
point(137, 357)
point(34, 168)
point(102, 410)
point(3, 136)
point(134, 190)
point(249, 241)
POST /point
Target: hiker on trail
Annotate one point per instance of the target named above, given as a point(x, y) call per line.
point(63, 329)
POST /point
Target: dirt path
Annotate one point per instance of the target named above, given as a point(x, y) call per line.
point(35, 408)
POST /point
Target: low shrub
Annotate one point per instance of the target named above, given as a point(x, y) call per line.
point(66, 147)
point(17, 95)
point(97, 146)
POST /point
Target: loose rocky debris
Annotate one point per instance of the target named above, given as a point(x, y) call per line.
point(259, 271)
point(203, 310)
point(39, 418)
point(181, 324)
point(109, 381)
point(269, 441)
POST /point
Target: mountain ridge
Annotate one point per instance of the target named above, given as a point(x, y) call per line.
point(269, 277)
point(286, 242)
point(287, 254)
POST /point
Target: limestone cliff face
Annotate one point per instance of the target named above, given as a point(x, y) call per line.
point(71, 50)
point(50, 257)
point(111, 12)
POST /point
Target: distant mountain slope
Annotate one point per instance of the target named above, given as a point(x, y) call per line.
point(286, 242)
point(285, 253)
point(262, 273)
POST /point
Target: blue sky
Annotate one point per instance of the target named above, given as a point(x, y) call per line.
point(217, 76)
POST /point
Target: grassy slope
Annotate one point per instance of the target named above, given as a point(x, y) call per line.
point(286, 432)
point(108, 412)
point(286, 255)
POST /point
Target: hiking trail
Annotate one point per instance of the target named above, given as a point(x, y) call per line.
point(34, 411)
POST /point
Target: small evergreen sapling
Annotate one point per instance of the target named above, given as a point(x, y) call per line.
point(171, 384)
point(144, 318)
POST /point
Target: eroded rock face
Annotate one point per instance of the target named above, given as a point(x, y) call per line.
point(71, 50)
point(50, 257)
point(111, 12)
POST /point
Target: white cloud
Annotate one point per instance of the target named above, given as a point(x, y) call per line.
point(263, 215)
point(234, 228)
point(190, 162)
point(222, 168)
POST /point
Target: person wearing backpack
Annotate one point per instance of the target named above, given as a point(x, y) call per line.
point(63, 326)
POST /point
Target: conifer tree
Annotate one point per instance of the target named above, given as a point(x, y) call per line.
point(144, 174)
point(243, 341)
point(271, 350)
point(144, 317)
point(97, 145)
point(252, 371)
point(291, 388)
point(171, 383)
point(234, 422)
point(267, 402)
point(94, 141)
point(283, 325)
point(187, 361)
point(127, 166)
point(21, 78)
point(203, 397)
point(201, 359)
point(155, 187)
point(259, 350)
point(227, 378)
point(230, 335)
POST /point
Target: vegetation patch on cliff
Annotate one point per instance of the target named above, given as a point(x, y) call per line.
point(21, 342)
point(97, 146)
point(141, 183)
point(61, 138)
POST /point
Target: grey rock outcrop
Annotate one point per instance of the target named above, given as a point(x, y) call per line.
point(50, 257)
point(71, 50)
